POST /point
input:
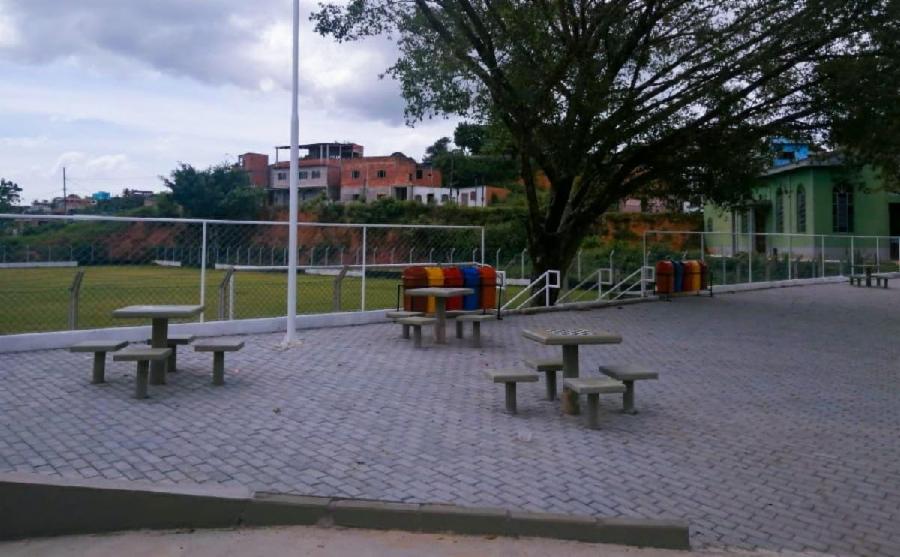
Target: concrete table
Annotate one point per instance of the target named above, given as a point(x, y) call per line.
point(440, 297)
point(160, 316)
point(570, 339)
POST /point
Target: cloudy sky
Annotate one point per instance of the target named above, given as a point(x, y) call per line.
point(119, 91)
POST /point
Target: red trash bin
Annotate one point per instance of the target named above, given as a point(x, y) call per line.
point(414, 277)
point(665, 277)
point(488, 287)
point(453, 278)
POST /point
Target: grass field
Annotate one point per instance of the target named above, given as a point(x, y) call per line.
point(33, 300)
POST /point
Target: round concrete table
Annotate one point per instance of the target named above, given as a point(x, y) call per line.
point(160, 316)
point(440, 302)
point(570, 338)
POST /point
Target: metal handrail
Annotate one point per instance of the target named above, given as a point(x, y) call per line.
point(545, 278)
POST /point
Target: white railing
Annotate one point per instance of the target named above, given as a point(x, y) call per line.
point(549, 280)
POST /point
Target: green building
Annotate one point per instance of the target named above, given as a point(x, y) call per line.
point(816, 198)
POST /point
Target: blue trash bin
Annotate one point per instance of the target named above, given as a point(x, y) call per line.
point(472, 279)
point(679, 276)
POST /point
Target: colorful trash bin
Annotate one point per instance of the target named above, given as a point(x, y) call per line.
point(453, 278)
point(435, 278)
point(488, 287)
point(665, 276)
point(678, 285)
point(414, 277)
point(691, 276)
point(472, 279)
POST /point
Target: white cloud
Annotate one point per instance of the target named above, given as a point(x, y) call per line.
point(120, 91)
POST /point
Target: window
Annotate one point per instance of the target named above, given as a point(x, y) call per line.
point(842, 209)
point(445, 198)
point(418, 199)
point(472, 195)
point(779, 210)
point(430, 198)
point(418, 174)
point(304, 175)
point(315, 174)
point(745, 222)
point(382, 174)
point(282, 176)
point(355, 197)
point(355, 174)
point(801, 209)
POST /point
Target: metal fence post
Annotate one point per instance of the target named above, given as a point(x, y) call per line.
point(451, 255)
point(790, 255)
point(823, 254)
point(497, 259)
point(231, 297)
point(74, 292)
point(203, 275)
point(579, 263)
point(522, 265)
point(482, 242)
point(362, 296)
point(411, 255)
point(852, 256)
point(750, 258)
point(877, 255)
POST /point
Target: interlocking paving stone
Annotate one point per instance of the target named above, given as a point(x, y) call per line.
point(773, 424)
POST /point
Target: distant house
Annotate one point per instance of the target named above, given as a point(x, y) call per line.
point(340, 172)
point(815, 194)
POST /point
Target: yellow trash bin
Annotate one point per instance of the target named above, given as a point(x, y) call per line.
point(435, 278)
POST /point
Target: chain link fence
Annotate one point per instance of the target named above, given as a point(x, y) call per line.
point(60, 273)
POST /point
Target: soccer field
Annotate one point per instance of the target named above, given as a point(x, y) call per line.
point(33, 300)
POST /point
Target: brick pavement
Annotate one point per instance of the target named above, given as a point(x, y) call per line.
point(774, 424)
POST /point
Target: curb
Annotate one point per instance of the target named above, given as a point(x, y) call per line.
point(38, 506)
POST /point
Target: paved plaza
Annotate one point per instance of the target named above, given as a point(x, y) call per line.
point(774, 424)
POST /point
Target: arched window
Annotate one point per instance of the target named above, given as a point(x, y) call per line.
point(779, 210)
point(842, 209)
point(801, 209)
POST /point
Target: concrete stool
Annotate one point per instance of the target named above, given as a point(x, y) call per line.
point(454, 313)
point(416, 324)
point(403, 315)
point(99, 348)
point(218, 348)
point(593, 387)
point(549, 369)
point(476, 320)
point(143, 357)
point(510, 377)
point(628, 375)
point(173, 342)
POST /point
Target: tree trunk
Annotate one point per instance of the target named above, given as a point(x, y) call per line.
point(549, 253)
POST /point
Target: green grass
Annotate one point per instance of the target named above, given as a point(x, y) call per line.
point(33, 300)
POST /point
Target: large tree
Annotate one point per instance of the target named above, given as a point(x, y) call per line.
point(222, 191)
point(607, 96)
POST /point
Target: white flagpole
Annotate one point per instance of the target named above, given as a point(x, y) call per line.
point(294, 168)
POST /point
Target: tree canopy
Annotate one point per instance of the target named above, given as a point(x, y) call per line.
point(607, 96)
point(10, 195)
point(221, 191)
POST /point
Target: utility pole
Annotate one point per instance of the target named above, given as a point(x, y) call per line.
point(65, 196)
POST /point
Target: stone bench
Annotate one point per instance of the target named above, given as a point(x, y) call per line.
point(143, 357)
point(628, 375)
point(395, 315)
point(416, 324)
point(99, 348)
point(549, 368)
point(218, 347)
point(476, 319)
point(510, 377)
point(173, 342)
point(593, 387)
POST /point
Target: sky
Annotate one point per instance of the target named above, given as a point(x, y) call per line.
point(119, 92)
